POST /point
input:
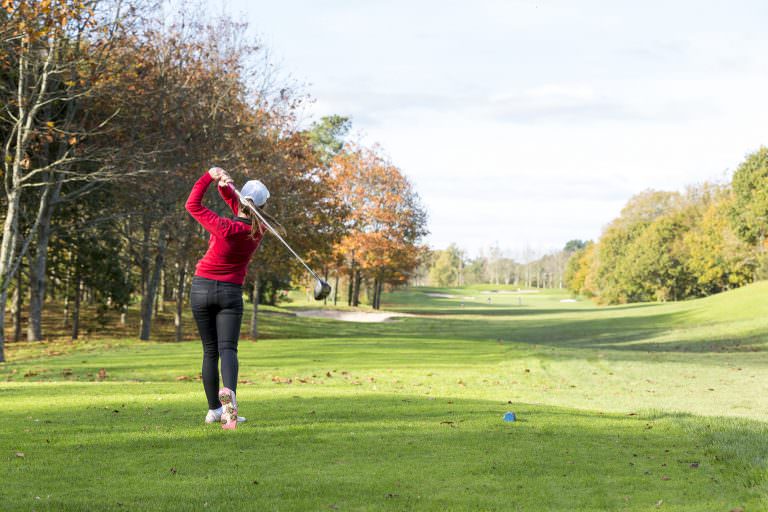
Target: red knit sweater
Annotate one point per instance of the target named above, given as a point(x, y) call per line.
point(230, 246)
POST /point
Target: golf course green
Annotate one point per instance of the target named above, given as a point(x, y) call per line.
point(658, 406)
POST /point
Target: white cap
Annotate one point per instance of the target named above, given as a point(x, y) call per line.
point(256, 191)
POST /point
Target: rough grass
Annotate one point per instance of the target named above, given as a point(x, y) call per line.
point(646, 407)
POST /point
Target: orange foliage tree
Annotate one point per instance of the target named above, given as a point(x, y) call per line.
point(386, 221)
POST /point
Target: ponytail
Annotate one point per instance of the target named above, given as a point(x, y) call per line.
point(257, 227)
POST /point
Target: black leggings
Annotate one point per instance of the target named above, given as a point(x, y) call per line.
point(218, 309)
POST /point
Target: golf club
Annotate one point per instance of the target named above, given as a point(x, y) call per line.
point(322, 289)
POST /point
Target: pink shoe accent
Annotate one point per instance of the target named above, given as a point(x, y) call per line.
point(229, 403)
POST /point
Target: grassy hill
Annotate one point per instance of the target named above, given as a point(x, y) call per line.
point(633, 407)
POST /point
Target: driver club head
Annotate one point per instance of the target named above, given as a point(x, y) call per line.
point(322, 290)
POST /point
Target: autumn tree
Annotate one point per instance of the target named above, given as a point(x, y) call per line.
point(386, 220)
point(53, 55)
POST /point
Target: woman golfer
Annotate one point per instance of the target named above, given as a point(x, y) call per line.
point(216, 295)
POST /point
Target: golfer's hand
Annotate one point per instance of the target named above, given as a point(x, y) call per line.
point(225, 179)
point(216, 173)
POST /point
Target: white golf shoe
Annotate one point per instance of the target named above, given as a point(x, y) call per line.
point(214, 416)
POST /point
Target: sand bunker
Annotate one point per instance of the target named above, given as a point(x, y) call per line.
point(440, 295)
point(351, 316)
point(508, 292)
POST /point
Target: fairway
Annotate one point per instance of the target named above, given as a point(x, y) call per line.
point(635, 407)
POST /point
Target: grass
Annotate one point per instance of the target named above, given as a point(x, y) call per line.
point(642, 407)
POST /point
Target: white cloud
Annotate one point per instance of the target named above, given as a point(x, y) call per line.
point(531, 123)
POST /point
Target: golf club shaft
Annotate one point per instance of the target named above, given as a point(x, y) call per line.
point(273, 230)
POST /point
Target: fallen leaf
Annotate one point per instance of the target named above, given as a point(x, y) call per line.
point(173, 471)
point(665, 477)
point(694, 465)
point(737, 509)
point(102, 374)
point(182, 377)
point(659, 503)
point(20, 455)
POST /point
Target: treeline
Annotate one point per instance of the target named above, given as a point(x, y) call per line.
point(109, 113)
point(452, 267)
point(674, 246)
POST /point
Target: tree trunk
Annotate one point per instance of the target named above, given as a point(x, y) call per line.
point(18, 297)
point(160, 302)
point(149, 294)
point(374, 302)
point(378, 295)
point(336, 288)
point(76, 308)
point(356, 291)
point(39, 261)
point(177, 319)
point(7, 251)
point(350, 292)
point(67, 283)
point(255, 317)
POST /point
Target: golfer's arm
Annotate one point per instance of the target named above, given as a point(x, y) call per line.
point(230, 198)
point(208, 219)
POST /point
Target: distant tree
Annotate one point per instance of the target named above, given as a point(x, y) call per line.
point(749, 210)
point(718, 258)
point(326, 136)
point(574, 245)
point(446, 268)
point(655, 267)
point(579, 270)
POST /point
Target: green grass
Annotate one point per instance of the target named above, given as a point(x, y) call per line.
point(642, 407)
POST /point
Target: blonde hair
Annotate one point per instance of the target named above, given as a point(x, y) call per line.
point(257, 226)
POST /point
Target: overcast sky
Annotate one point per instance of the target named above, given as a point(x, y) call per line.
point(529, 123)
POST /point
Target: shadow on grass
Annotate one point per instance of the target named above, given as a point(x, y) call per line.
point(668, 332)
point(383, 452)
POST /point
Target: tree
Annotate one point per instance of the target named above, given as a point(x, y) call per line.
point(326, 137)
point(574, 245)
point(579, 272)
point(53, 56)
point(718, 258)
point(386, 219)
point(444, 272)
point(749, 209)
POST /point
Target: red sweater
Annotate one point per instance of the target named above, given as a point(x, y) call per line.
point(230, 246)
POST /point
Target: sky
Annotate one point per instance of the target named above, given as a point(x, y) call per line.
point(529, 123)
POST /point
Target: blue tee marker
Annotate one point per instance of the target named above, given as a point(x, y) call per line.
point(510, 416)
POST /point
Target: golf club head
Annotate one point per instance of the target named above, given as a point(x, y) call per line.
point(322, 290)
